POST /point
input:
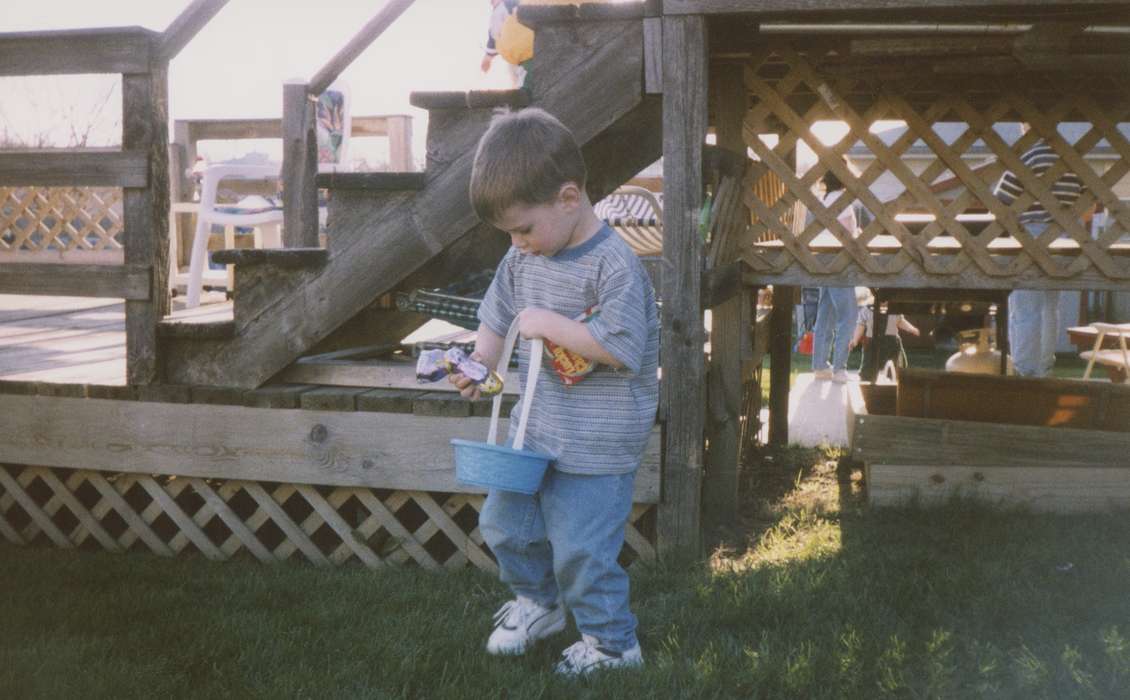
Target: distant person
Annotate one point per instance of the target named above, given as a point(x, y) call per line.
point(836, 312)
point(558, 549)
point(501, 13)
point(889, 347)
point(1033, 315)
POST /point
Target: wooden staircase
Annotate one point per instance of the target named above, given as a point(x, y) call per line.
point(399, 230)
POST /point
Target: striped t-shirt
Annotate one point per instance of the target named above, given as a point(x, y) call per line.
point(1039, 159)
point(601, 424)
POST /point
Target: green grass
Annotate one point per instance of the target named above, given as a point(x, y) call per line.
point(812, 597)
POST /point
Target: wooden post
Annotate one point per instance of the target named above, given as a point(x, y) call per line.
point(720, 497)
point(146, 216)
point(300, 166)
point(400, 143)
point(780, 362)
point(684, 131)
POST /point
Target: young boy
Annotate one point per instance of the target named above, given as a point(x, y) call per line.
point(558, 550)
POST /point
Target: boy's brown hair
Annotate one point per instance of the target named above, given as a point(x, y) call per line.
point(523, 158)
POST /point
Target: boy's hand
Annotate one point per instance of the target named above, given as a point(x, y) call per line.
point(467, 389)
point(536, 323)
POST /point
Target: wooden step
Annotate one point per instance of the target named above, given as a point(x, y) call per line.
point(592, 81)
point(187, 329)
point(286, 258)
point(373, 181)
point(470, 99)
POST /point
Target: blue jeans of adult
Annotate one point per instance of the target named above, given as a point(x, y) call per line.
point(564, 542)
point(1033, 325)
point(836, 315)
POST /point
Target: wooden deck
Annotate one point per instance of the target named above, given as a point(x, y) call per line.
point(74, 340)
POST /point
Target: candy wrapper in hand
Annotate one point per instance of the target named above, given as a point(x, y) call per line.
point(434, 365)
point(453, 358)
point(568, 365)
point(430, 366)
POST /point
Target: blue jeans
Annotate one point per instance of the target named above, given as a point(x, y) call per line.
point(565, 542)
point(1033, 322)
point(836, 313)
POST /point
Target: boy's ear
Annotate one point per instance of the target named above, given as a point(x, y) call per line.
point(570, 194)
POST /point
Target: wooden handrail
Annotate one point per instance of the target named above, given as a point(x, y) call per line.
point(373, 29)
point(186, 26)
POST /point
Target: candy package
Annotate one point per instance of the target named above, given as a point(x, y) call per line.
point(568, 365)
point(434, 365)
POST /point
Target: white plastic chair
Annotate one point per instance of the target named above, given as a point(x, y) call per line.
point(1114, 358)
point(268, 221)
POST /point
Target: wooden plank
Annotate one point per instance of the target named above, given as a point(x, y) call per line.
point(373, 374)
point(441, 404)
point(76, 51)
point(387, 400)
point(965, 9)
point(74, 168)
point(914, 277)
point(1040, 489)
point(781, 360)
point(901, 440)
point(186, 26)
point(361, 41)
point(112, 281)
point(1061, 403)
point(684, 132)
point(330, 398)
point(653, 55)
point(145, 213)
point(330, 448)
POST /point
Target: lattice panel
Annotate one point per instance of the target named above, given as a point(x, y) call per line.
point(791, 90)
point(271, 522)
point(64, 219)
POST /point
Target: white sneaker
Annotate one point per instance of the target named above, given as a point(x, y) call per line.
point(841, 376)
point(823, 374)
point(587, 656)
point(521, 622)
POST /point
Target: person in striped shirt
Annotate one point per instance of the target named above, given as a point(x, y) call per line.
point(1033, 315)
point(558, 549)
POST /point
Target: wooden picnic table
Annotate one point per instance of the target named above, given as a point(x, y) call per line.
point(1083, 338)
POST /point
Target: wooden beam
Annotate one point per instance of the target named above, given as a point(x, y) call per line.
point(331, 448)
point(374, 374)
point(684, 133)
point(357, 45)
point(145, 211)
point(800, 10)
point(74, 168)
point(299, 168)
point(780, 362)
point(186, 26)
point(653, 55)
point(77, 51)
point(721, 492)
point(913, 277)
point(129, 282)
point(900, 440)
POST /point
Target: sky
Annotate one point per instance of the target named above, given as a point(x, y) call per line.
point(236, 65)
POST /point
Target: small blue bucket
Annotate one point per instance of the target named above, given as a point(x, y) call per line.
point(493, 466)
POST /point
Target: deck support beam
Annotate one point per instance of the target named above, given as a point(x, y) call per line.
point(683, 395)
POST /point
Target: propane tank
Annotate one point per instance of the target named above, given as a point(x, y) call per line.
point(976, 354)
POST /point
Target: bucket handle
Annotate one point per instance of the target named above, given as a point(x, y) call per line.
point(531, 380)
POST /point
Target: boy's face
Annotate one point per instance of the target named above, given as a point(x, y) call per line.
point(543, 229)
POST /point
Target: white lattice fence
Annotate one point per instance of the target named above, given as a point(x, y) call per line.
point(791, 89)
point(61, 223)
point(272, 522)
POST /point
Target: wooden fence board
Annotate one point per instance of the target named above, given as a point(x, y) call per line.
point(235, 442)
